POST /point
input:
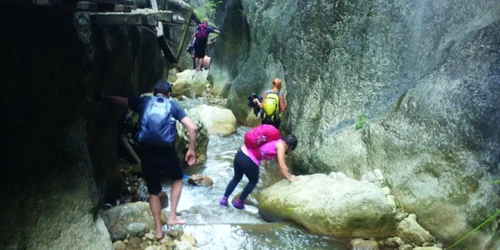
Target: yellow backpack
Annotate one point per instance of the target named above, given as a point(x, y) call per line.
point(271, 106)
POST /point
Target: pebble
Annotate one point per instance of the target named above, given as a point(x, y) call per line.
point(149, 236)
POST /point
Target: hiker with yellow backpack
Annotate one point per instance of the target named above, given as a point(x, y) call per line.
point(273, 104)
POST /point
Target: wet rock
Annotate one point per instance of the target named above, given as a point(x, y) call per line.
point(167, 241)
point(136, 229)
point(386, 190)
point(188, 237)
point(394, 242)
point(405, 247)
point(401, 216)
point(329, 206)
point(143, 244)
point(411, 232)
point(364, 244)
point(392, 200)
point(117, 218)
point(370, 177)
point(182, 245)
point(427, 248)
point(200, 180)
point(134, 243)
point(119, 245)
point(338, 176)
point(378, 174)
point(174, 233)
point(150, 236)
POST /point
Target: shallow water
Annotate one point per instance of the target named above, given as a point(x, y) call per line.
point(218, 227)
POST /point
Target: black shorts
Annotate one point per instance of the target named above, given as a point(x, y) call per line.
point(199, 49)
point(154, 161)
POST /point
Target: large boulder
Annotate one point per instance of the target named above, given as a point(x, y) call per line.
point(217, 120)
point(334, 205)
point(190, 83)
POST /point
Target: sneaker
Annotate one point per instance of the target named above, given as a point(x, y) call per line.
point(223, 201)
point(238, 204)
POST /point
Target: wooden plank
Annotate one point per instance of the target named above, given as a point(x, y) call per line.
point(42, 2)
point(88, 6)
point(122, 8)
point(167, 51)
point(107, 19)
point(122, 2)
point(136, 17)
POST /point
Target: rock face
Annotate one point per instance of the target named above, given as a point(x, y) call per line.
point(62, 144)
point(342, 207)
point(425, 74)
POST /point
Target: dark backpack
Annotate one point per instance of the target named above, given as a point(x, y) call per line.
point(202, 32)
point(158, 126)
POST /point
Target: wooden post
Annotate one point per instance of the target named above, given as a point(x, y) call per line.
point(185, 29)
point(159, 27)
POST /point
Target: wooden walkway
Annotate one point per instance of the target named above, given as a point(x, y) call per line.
point(125, 13)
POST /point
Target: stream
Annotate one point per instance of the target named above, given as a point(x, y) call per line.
point(216, 227)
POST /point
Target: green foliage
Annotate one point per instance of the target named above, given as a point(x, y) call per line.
point(315, 116)
point(495, 182)
point(360, 123)
point(198, 14)
point(211, 6)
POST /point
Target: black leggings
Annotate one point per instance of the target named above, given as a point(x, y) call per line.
point(243, 165)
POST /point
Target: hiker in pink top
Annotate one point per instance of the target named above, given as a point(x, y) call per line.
point(246, 163)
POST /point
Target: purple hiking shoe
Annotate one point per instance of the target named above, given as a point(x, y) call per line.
point(238, 204)
point(223, 201)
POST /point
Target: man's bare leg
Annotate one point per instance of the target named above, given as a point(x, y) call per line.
point(154, 205)
point(175, 194)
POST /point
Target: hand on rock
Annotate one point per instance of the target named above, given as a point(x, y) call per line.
point(190, 157)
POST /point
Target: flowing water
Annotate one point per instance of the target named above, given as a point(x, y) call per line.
point(218, 227)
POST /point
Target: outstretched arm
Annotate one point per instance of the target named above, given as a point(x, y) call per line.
point(280, 148)
point(191, 127)
point(116, 100)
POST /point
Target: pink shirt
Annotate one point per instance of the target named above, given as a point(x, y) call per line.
point(267, 150)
